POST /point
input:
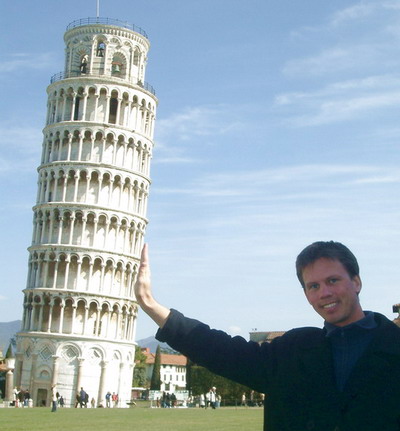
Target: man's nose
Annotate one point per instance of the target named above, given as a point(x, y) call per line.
point(325, 290)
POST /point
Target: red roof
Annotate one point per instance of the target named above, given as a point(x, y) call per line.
point(166, 359)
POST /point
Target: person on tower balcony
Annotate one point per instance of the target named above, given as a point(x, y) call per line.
point(344, 376)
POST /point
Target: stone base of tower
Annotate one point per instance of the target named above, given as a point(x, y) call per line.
point(71, 364)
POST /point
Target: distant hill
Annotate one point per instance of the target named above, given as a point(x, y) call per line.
point(152, 343)
point(7, 331)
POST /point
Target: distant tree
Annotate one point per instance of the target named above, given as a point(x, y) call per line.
point(9, 353)
point(169, 351)
point(155, 383)
point(139, 373)
point(200, 380)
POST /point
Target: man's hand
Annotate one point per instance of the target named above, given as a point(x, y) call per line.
point(143, 280)
point(143, 293)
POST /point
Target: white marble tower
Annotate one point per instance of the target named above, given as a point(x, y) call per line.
point(79, 315)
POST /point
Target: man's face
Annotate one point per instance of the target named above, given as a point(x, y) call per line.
point(332, 292)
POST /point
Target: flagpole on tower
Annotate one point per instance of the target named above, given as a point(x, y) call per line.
point(98, 8)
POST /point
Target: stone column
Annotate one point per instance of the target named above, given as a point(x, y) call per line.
point(121, 380)
point(107, 110)
point(102, 277)
point(64, 105)
point(57, 102)
point(45, 263)
point(67, 262)
point(117, 116)
point(73, 319)
point(89, 275)
point(61, 322)
point(9, 386)
point(96, 105)
point(60, 227)
point(50, 317)
point(76, 185)
point(83, 234)
point(87, 187)
point(70, 136)
point(71, 228)
point(101, 393)
point(32, 317)
point(134, 326)
point(111, 192)
point(33, 370)
point(40, 324)
point(56, 365)
point(51, 227)
point(97, 324)
point(73, 106)
point(19, 360)
point(85, 97)
point(79, 375)
point(85, 319)
point(55, 273)
point(64, 191)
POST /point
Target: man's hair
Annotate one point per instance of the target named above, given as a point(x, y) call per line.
point(328, 250)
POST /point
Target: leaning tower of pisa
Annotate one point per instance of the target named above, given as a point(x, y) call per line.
point(79, 310)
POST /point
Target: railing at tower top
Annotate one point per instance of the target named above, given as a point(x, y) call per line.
point(65, 75)
point(106, 21)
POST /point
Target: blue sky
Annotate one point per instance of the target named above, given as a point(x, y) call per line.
point(278, 125)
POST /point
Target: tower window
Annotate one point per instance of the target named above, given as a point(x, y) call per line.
point(113, 110)
point(84, 64)
point(76, 112)
point(100, 49)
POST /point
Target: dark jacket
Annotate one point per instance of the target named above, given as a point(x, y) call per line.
point(296, 373)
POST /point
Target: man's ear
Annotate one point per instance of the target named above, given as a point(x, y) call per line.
point(357, 280)
point(305, 293)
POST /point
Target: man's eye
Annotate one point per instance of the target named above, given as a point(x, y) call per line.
point(333, 280)
point(312, 286)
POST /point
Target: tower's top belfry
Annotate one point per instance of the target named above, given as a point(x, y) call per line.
point(105, 47)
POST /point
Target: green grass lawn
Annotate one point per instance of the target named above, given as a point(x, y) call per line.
point(140, 419)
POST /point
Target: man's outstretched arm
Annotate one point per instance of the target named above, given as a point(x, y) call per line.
point(143, 293)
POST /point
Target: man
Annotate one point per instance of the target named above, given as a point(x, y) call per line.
point(212, 397)
point(108, 397)
point(344, 377)
point(82, 398)
point(53, 399)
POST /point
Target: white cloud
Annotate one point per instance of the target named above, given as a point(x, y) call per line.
point(20, 136)
point(269, 183)
point(177, 134)
point(24, 61)
point(355, 12)
point(345, 57)
point(20, 147)
point(328, 61)
point(173, 160)
point(345, 109)
point(340, 101)
point(198, 121)
point(235, 330)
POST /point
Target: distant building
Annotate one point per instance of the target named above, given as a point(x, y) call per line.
point(396, 309)
point(172, 372)
point(264, 336)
